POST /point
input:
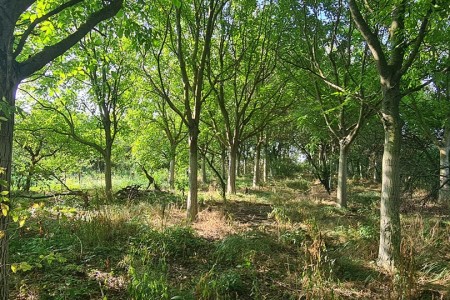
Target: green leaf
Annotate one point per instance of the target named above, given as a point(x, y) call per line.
point(4, 193)
point(177, 3)
point(24, 266)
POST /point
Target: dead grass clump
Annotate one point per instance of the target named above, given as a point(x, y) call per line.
point(213, 225)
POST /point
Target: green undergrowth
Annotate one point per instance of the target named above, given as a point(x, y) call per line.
point(287, 247)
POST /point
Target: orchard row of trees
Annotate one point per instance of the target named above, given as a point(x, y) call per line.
point(166, 85)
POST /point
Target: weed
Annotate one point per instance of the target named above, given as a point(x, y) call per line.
point(241, 250)
point(148, 283)
point(300, 185)
point(317, 275)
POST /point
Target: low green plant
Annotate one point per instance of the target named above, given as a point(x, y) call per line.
point(226, 284)
point(318, 270)
point(300, 185)
point(241, 249)
point(148, 283)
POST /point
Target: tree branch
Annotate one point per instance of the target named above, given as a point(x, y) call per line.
point(370, 37)
point(49, 53)
point(45, 17)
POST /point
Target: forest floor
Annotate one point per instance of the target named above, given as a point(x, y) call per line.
point(283, 241)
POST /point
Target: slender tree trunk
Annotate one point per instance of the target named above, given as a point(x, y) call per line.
point(360, 169)
point(375, 175)
point(444, 153)
point(223, 162)
point(27, 185)
point(231, 182)
point(390, 234)
point(172, 173)
point(192, 207)
point(256, 168)
point(238, 164)
point(265, 164)
point(108, 176)
point(342, 175)
point(204, 178)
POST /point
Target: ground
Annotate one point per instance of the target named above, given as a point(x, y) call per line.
point(283, 241)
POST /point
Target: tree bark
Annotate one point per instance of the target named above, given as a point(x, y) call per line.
point(256, 168)
point(223, 162)
point(204, 178)
point(444, 172)
point(265, 164)
point(342, 175)
point(232, 157)
point(30, 174)
point(373, 168)
point(390, 233)
point(192, 207)
point(172, 173)
point(108, 176)
point(8, 87)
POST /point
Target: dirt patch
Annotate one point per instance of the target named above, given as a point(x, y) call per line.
point(248, 213)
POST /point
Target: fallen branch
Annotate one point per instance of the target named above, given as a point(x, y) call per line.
point(71, 193)
point(81, 194)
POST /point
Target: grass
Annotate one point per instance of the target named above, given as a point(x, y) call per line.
point(286, 240)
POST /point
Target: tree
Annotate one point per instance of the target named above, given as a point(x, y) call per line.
point(159, 131)
point(36, 143)
point(186, 31)
point(394, 49)
point(338, 73)
point(97, 91)
point(243, 76)
point(24, 23)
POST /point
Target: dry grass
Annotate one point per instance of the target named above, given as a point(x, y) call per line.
point(273, 243)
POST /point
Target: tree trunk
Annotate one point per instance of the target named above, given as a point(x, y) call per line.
point(204, 178)
point(231, 182)
point(4, 259)
point(444, 151)
point(375, 174)
point(256, 169)
point(27, 186)
point(172, 173)
point(108, 176)
point(8, 89)
point(265, 164)
point(390, 234)
point(192, 208)
point(6, 140)
point(223, 162)
point(238, 164)
point(342, 174)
